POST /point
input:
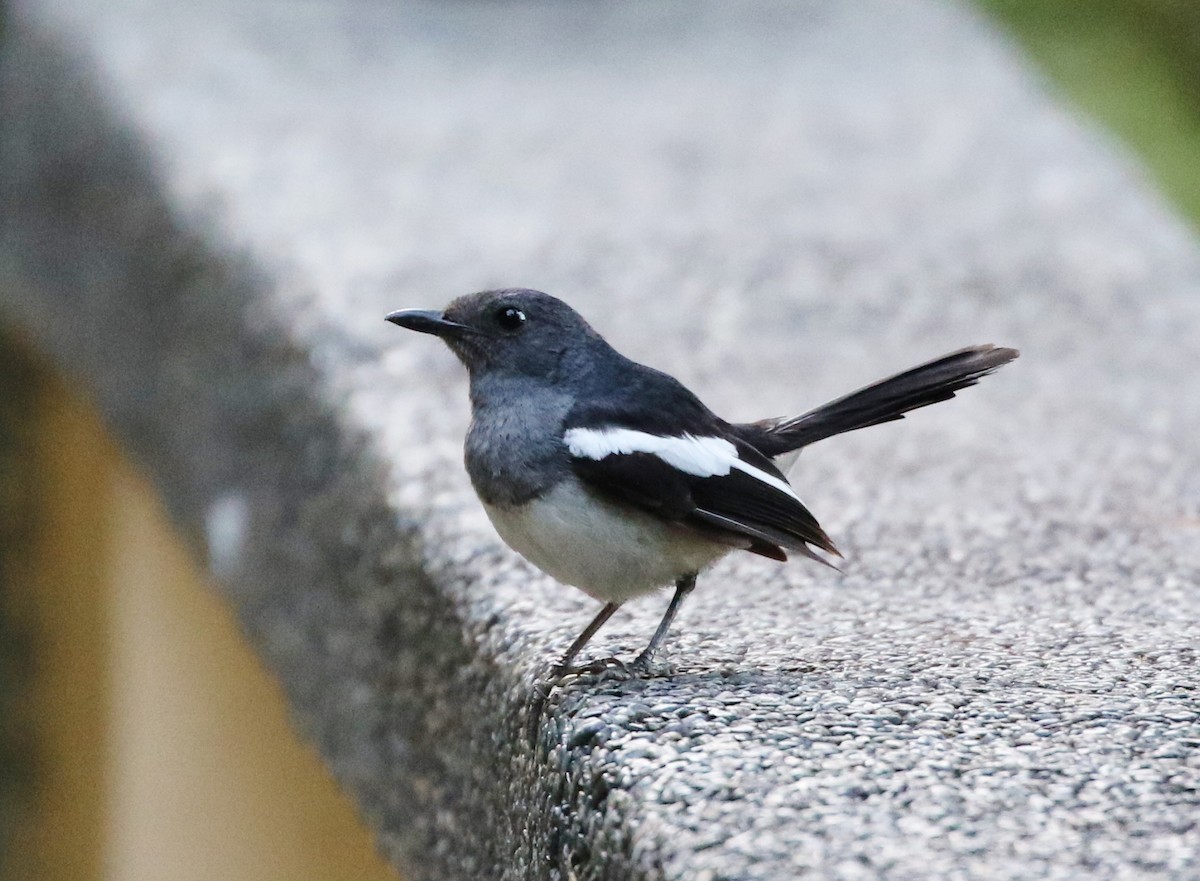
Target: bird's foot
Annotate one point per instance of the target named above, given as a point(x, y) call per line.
point(603, 668)
point(641, 664)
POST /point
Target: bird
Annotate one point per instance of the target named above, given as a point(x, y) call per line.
point(613, 477)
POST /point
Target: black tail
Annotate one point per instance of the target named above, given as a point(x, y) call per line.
point(879, 402)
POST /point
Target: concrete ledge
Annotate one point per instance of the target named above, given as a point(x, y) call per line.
point(206, 212)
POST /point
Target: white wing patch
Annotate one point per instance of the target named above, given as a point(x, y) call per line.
point(699, 456)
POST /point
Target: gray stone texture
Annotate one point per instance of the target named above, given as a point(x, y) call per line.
point(207, 208)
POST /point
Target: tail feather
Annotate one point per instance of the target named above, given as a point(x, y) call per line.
point(883, 401)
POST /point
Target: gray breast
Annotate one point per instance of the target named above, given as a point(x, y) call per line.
point(514, 450)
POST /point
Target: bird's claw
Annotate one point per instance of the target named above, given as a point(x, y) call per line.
point(640, 665)
point(603, 665)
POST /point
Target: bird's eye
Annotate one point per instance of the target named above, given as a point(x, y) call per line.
point(510, 318)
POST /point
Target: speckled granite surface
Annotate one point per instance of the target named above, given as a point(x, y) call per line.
point(208, 208)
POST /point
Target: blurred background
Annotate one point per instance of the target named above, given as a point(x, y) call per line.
point(1133, 65)
point(140, 737)
point(123, 681)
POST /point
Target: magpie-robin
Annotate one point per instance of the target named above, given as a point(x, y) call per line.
point(614, 478)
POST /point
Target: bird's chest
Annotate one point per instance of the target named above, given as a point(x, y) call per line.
point(609, 551)
point(515, 452)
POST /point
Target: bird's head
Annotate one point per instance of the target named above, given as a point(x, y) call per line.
point(514, 331)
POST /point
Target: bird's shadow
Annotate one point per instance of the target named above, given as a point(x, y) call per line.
point(648, 701)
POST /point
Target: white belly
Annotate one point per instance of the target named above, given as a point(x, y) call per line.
point(611, 553)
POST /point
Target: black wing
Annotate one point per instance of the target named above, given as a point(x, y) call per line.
point(738, 508)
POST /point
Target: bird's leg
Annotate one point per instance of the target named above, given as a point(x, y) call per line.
point(563, 667)
point(683, 587)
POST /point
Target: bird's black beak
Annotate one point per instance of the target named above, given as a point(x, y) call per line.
point(428, 321)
